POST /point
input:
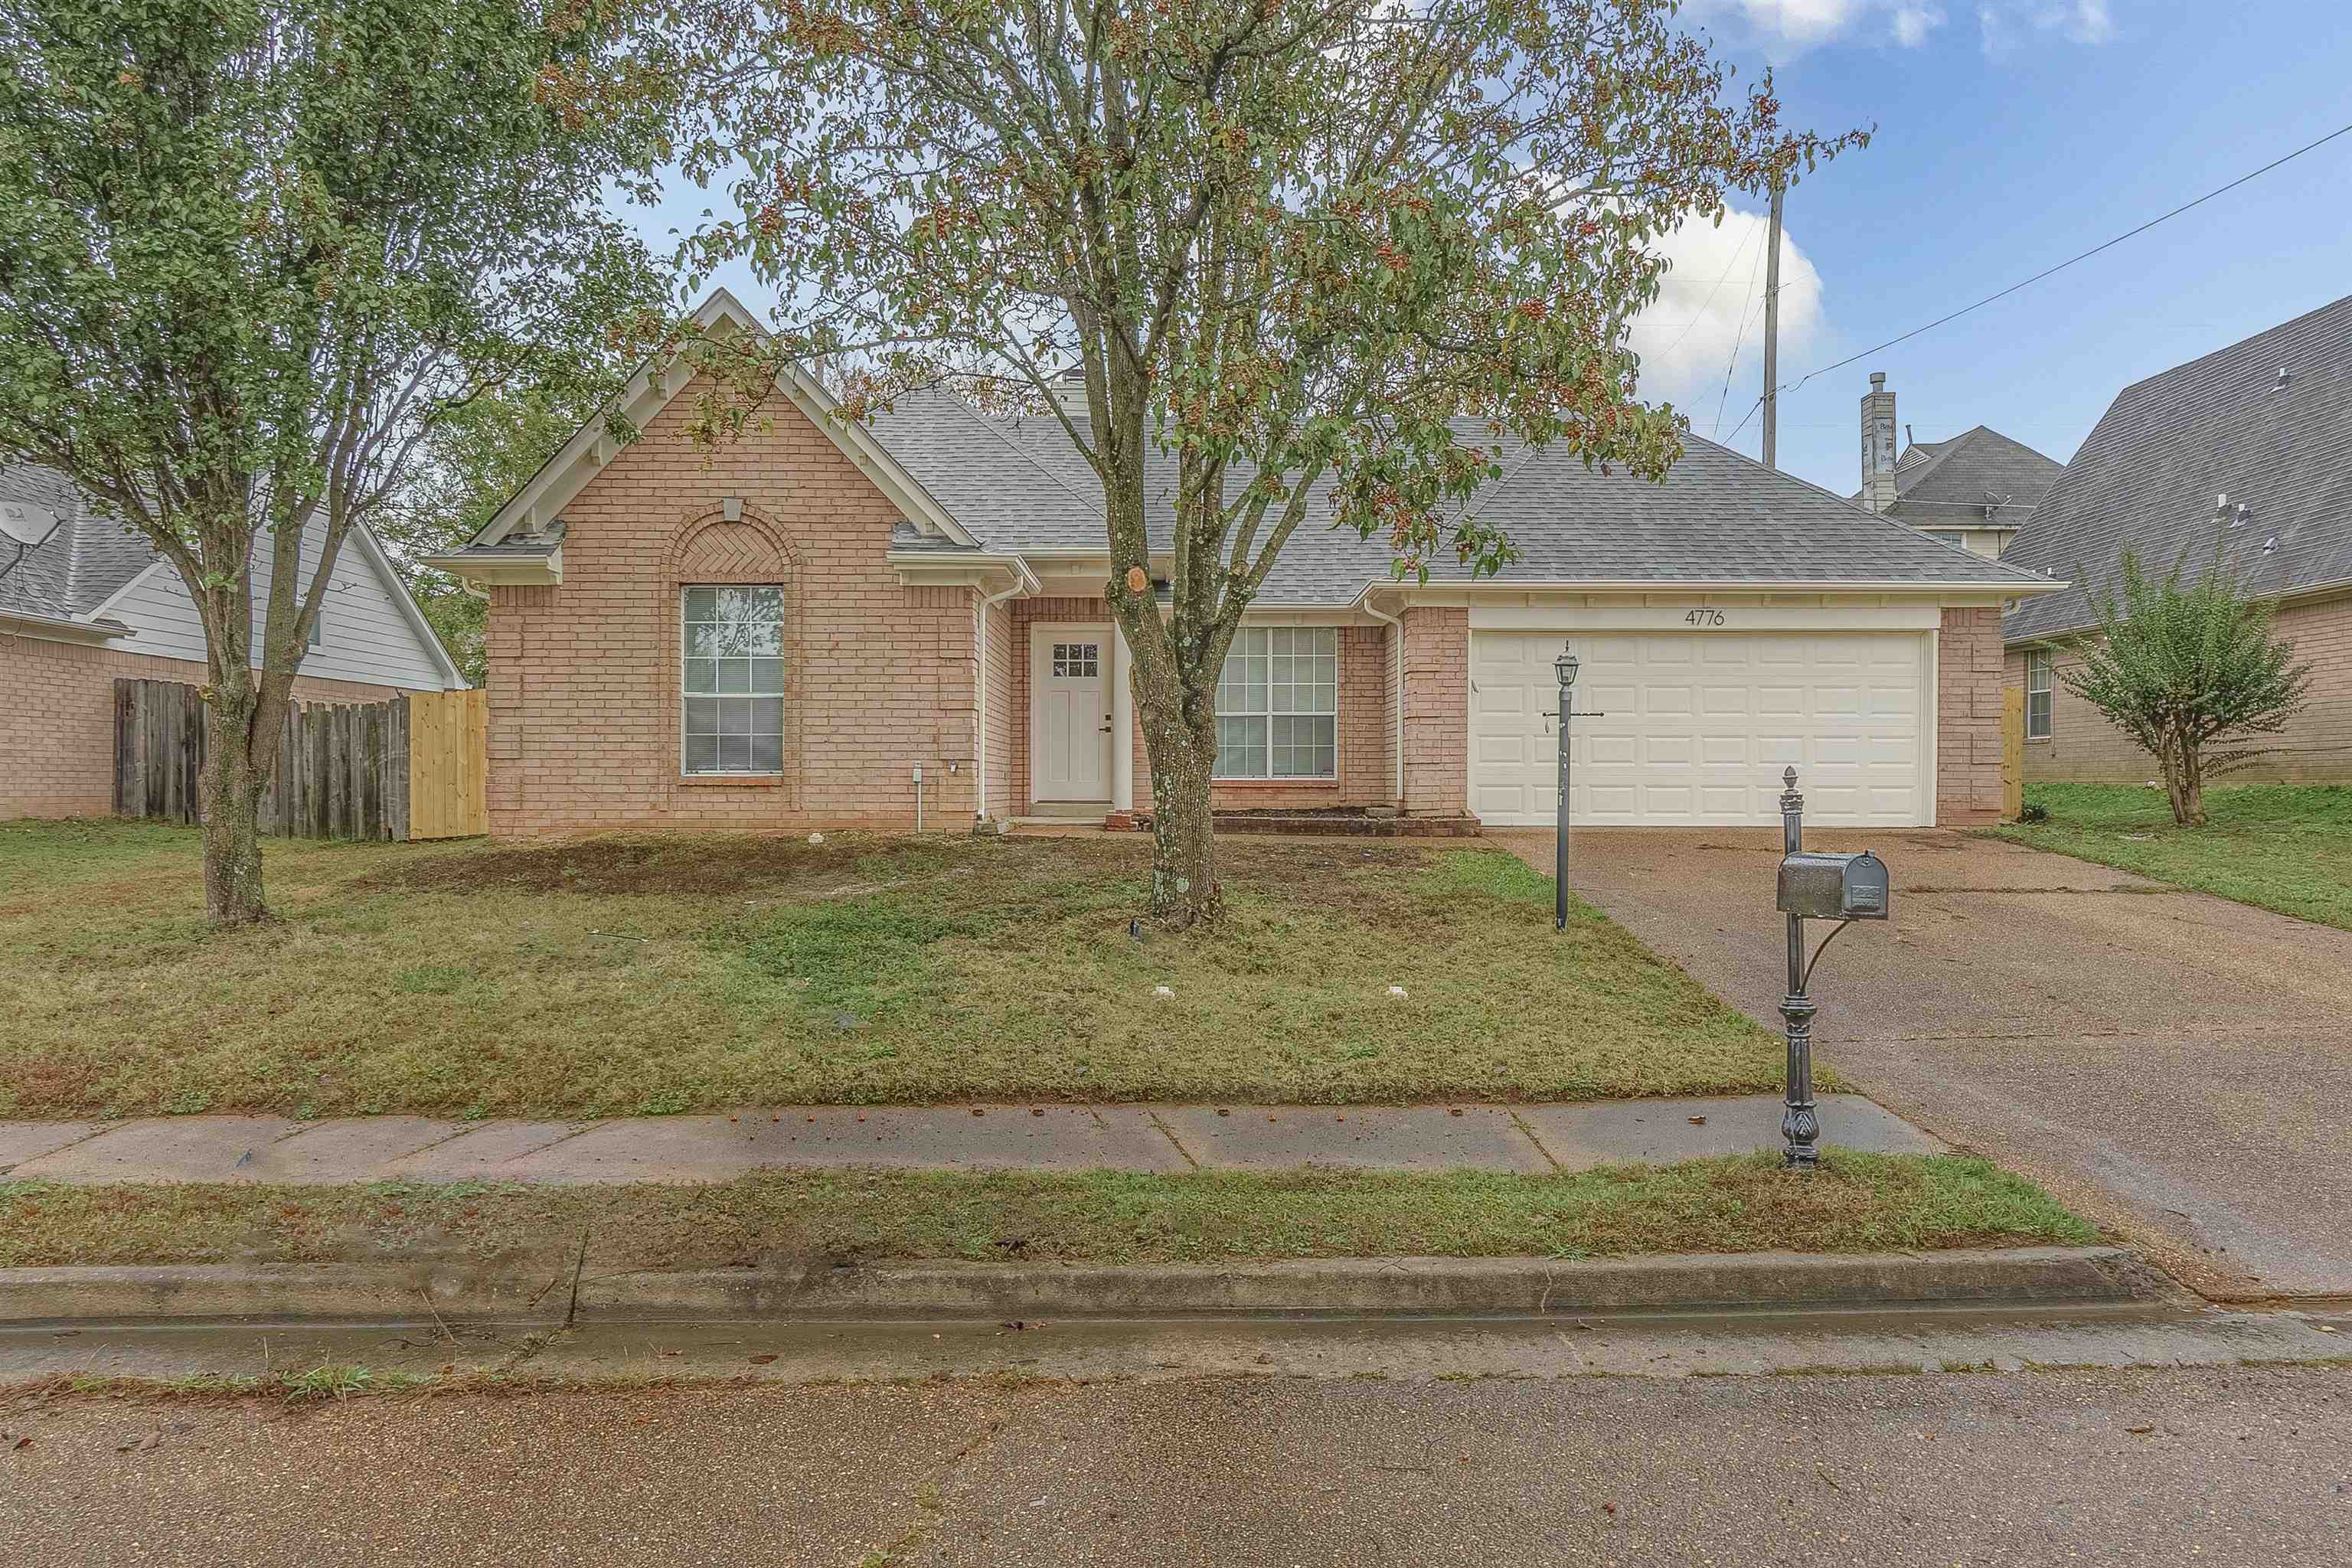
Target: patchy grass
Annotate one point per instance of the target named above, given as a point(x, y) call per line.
point(2280, 847)
point(1857, 1203)
point(617, 976)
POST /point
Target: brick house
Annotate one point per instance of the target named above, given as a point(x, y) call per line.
point(791, 630)
point(92, 602)
point(2247, 451)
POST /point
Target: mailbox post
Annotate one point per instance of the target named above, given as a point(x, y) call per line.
point(1842, 888)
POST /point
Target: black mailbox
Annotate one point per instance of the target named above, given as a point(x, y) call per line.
point(1834, 886)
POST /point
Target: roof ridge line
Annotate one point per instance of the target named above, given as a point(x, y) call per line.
point(1016, 449)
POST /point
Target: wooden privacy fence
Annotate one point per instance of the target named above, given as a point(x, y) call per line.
point(412, 767)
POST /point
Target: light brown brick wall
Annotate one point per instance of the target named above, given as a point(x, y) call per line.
point(584, 678)
point(2315, 748)
point(1967, 717)
point(57, 728)
point(1436, 710)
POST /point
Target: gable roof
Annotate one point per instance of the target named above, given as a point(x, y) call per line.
point(2147, 478)
point(92, 558)
point(1976, 478)
point(530, 513)
point(1019, 486)
point(89, 559)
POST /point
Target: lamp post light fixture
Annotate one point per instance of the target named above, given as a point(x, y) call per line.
point(1564, 666)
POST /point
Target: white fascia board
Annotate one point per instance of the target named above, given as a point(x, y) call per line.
point(544, 496)
point(491, 570)
point(931, 568)
point(61, 629)
point(1459, 594)
point(1736, 618)
point(137, 577)
point(386, 573)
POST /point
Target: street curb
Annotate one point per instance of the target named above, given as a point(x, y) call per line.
point(1520, 1287)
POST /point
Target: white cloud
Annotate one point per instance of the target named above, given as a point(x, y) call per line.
point(1790, 26)
point(1712, 297)
point(1783, 28)
point(2080, 21)
point(1914, 23)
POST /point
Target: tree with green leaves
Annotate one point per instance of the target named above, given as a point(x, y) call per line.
point(474, 459)
point(2190, 670)
point(259, 251)
point(1322, 258)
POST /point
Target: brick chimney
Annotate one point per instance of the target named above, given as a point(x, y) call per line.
point(1878, 450)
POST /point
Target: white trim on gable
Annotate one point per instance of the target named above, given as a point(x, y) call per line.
point(543, 497)
point(389, 575)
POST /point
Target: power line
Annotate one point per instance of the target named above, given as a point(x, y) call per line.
point(1709, 302)
point(2047, 271)
point(1745, 316)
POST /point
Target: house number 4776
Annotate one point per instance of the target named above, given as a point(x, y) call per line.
point(1703, 618)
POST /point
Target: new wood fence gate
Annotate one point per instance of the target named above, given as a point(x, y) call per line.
point(409, 768)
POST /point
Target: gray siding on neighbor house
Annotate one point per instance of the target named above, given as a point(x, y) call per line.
point(368, 636)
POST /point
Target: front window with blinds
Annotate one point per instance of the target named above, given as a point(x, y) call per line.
point(2037, 695)
point(733, 685)
point(1278, 704)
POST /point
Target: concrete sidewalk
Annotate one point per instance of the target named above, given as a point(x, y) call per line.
point(1531, 1139)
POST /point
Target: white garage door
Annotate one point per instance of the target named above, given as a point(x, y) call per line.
point(1696, 730)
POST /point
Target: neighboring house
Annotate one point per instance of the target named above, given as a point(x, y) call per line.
point(2247, 451)
point(1975, 490)
point(95, 601)
point(786, 630)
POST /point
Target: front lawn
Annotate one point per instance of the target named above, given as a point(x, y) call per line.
point(2281, 846)
point(639, 975)
point(1854, 1203)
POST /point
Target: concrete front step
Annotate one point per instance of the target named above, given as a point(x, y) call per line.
point(1530, 1139)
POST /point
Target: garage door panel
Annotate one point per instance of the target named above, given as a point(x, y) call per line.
point(1694, 729)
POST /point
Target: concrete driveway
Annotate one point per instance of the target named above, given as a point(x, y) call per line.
point(2176, 1067)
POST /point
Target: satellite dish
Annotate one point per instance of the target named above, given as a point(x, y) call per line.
point(29, 526)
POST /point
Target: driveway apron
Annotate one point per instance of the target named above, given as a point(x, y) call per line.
point(2177, 1067)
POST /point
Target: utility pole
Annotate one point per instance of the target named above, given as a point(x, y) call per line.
point(1772, 337)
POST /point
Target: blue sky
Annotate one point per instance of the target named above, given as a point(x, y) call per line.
point(2010, 135)
point(2013, 134)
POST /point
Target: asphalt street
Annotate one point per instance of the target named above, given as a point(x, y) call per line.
point(2240, 1465)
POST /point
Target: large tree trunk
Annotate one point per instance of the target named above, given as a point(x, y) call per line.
point(232, 787)
point(1179, 736)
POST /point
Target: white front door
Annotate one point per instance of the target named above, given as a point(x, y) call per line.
point(1693, 730)
point(1069, 714)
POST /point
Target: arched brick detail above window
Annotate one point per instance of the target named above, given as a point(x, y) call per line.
point(706, 549)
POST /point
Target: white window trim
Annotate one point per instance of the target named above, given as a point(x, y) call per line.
point(2038, 660)
point(1339, 685)
point(683, 695)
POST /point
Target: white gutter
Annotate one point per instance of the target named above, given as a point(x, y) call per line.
point(1396, 632)
point(61, 629)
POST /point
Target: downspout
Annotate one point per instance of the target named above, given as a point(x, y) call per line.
point(979, 642)
point(1396, 635)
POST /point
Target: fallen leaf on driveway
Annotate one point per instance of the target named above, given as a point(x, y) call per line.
point(2138, 1429)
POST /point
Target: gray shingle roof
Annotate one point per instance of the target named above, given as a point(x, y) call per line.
point(2147, 478)
point(83, 564)
point(1950, 483)
point(1018, 485)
